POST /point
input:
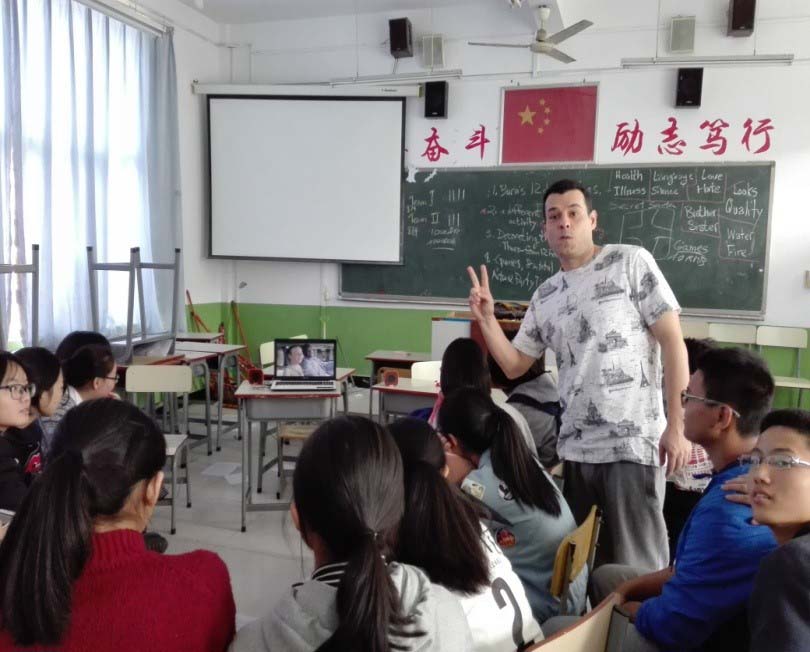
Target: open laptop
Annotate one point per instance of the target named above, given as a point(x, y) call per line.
point(304, 366)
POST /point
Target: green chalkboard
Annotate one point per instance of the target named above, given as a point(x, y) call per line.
point(706, 225)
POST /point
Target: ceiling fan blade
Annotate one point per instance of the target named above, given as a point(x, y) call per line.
point(554, 53)
point(568, 32)
point(497, 45)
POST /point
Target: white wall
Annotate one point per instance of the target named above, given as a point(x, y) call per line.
point(320, 49)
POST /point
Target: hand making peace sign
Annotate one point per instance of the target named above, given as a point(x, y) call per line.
point(482, 304)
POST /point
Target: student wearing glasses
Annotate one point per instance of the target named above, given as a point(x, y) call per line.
point(700, 602)
point(15, 402)
point(779, 490)
point(20, 445)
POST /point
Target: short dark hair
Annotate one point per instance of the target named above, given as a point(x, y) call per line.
point(42, 368)
point(696, 348)
point(463, 365)
point(741, 379)
point(793, 418)
point(72, 342)
point(563, 186)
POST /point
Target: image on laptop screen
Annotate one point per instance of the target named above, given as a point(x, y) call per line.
point(306, 359)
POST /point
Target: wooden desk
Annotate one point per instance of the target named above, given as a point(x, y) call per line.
point(378, 359)
point(260, 403)
point(200, 337)
point(226, 355)
point(405, 397)
point(342, 376)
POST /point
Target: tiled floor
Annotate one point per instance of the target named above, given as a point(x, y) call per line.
point(265, 560)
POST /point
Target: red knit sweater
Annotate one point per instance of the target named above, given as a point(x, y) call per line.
point(129, 599)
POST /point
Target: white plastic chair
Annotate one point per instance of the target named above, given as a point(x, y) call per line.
point(267, 355)
point(733, 333)
point(429, 370)
point(170, 380)
point(787, 338)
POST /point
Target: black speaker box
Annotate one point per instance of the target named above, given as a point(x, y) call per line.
point(399, 32)
point(436, 94)
point(741, 17)
point(690, 87)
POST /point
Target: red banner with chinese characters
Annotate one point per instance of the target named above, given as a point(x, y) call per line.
point(542, 125)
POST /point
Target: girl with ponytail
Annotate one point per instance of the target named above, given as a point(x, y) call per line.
point(502, 472)
point(348, 503)
point(76, 573)
point(442, 534)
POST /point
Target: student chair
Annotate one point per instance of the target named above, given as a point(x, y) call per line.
point(696, 329)
point(787, 338)
point(267, 356)
point(170, 380)
point(589, 634)
point(428, 370)
point(575, 552)
point(734, 334)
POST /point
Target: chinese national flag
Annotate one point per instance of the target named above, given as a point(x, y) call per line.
point(541, 125)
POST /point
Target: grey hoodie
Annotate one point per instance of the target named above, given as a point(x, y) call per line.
point(306, 618)
point(543, 425)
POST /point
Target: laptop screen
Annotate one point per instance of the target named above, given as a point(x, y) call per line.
point(307, 359)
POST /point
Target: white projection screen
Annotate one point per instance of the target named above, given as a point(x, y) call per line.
point(306, 178)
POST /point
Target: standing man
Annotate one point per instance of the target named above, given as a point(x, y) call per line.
point(609, 315)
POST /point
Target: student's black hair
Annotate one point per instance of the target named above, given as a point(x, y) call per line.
point(101, 449)
point(696, 348)
point(72, 342)
point(480, 425)
point(7, 359)
point(564, 185)
point(348, 490)
point(89, 362)
point(792, 418)
point(463, 365)
point(500, 379)
point(441, 530)
point(741, 379)
point(42, 368)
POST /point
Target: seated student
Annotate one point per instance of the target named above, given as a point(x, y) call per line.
point(459, 552)
point(90, 372)
point(503, 473)
point(76, 573)
point(779, 490)
point(536, 397)
point(20, 446)
point(686, 486)
point(700, 602)
point(349, 501)
point(15, 401)
point(464, 365)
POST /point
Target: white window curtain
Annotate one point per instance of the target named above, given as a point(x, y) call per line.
point(89, 155)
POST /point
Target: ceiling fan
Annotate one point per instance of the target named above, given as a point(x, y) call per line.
point(543, 43)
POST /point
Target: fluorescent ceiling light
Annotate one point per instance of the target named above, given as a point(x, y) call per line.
point(745, 59)
point(402, 78)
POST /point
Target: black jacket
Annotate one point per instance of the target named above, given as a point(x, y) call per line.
point(20, 461)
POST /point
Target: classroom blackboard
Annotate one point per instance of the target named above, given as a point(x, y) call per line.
point(706, 225)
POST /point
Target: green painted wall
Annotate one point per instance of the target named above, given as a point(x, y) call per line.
point(360, 330)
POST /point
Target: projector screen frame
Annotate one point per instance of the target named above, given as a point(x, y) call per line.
point(402, 171)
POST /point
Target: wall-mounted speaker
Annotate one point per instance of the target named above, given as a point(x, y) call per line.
point(400, 36)
point(682, 34)
point(741, 14)
point(436, 95)
point(690, 87)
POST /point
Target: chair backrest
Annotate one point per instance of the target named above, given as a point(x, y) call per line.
point(792, 338)
point(733, 333)
point(428, 370)
point(589, 634)
point(158, 378)
point(267, 353)
point(693, 328)
point(583, 540)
